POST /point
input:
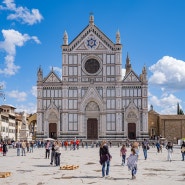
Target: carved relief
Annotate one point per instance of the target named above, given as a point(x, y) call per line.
point(92, 106)
point(52, 118)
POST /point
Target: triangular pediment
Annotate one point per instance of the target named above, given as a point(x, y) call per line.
point(52, 113)
point(52, 77)
point(91, 95)
point(91, 43)
point(131, 77)
point(91, 38)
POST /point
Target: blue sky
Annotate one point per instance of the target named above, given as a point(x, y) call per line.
point(152, 32)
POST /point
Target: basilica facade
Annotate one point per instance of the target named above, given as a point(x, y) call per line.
point(92, 100)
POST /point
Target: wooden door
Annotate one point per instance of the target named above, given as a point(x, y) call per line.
point(92, 128)
point(53, 130)
point(131, 130)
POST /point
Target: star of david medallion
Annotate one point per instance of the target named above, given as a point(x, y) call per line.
point(91, 43)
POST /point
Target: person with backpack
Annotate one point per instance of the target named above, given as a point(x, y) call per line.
point(105, 158)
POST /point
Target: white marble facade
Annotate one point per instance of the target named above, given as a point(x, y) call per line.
point(92, 101)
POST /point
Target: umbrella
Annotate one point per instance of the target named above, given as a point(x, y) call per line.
point(49, 139)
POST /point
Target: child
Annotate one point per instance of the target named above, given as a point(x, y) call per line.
point(123, 154)
point(132, 163)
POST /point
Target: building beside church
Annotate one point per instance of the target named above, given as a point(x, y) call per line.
point(170, 127)
point(92, 101)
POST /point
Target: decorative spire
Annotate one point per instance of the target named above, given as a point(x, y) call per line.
point(144, 74)
point(65, 38)
point(127, 65)
point(91, 19)
point(118, 39)
point(40, 74)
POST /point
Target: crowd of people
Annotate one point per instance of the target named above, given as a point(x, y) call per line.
point(53, 151)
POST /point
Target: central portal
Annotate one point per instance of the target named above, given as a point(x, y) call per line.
point(53, 130)
point(132, 131)
point(92, 128)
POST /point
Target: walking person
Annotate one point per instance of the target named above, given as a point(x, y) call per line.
point(23, 146)
point(105, 158)
point(18, 146)
point(132, 163)
point(169, 147)
point(183, 150)
point(57, 153)
point(158, 146)
point(53, 154)
point(31, 146)
point(123, 151)
point(145, 147)
point(4, 148)
point(47, 147)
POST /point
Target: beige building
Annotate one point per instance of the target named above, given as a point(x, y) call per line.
point(7, 122)
point(171, 127)
point(92, 100)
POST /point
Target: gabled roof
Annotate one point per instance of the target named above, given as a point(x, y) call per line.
point(131, 77)
point(52, 77)
point(91, 29)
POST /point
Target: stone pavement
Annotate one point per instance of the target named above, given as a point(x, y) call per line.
point(34, 169)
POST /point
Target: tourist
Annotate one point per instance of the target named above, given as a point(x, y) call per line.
point(169, 147)
point(105, 158)
point(28, 146)
point(31, 146)
point(145, 147)
point(183, 150)
point(57, 153)
point(132, 163)
point(23, 146)
point(158, 146)
point(47, 147)
point(136, 148)
point(18, 146)
point(4, 148)
point(123, 151)
point(53, 153)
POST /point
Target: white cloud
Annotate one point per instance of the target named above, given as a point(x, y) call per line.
point(30, 108)
point(34, 91)
point(12, 39)
point(19, 96)
point(167, 103)
point(168, 72)
point(21, 14)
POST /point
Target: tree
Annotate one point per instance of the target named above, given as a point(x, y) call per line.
point(179, 110)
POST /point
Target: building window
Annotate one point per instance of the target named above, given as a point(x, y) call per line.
point(110, 70)
point(111, 104)
point(111, 92)
point(73, 122)
point(73, 93)
point(72, 104)
point(111, 122)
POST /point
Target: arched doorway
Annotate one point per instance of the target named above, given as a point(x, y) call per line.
point(131, 130)
point(92, 128)
point(92, 116)
point(53, 130)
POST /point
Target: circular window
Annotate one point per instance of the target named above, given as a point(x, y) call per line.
point(92, 66)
